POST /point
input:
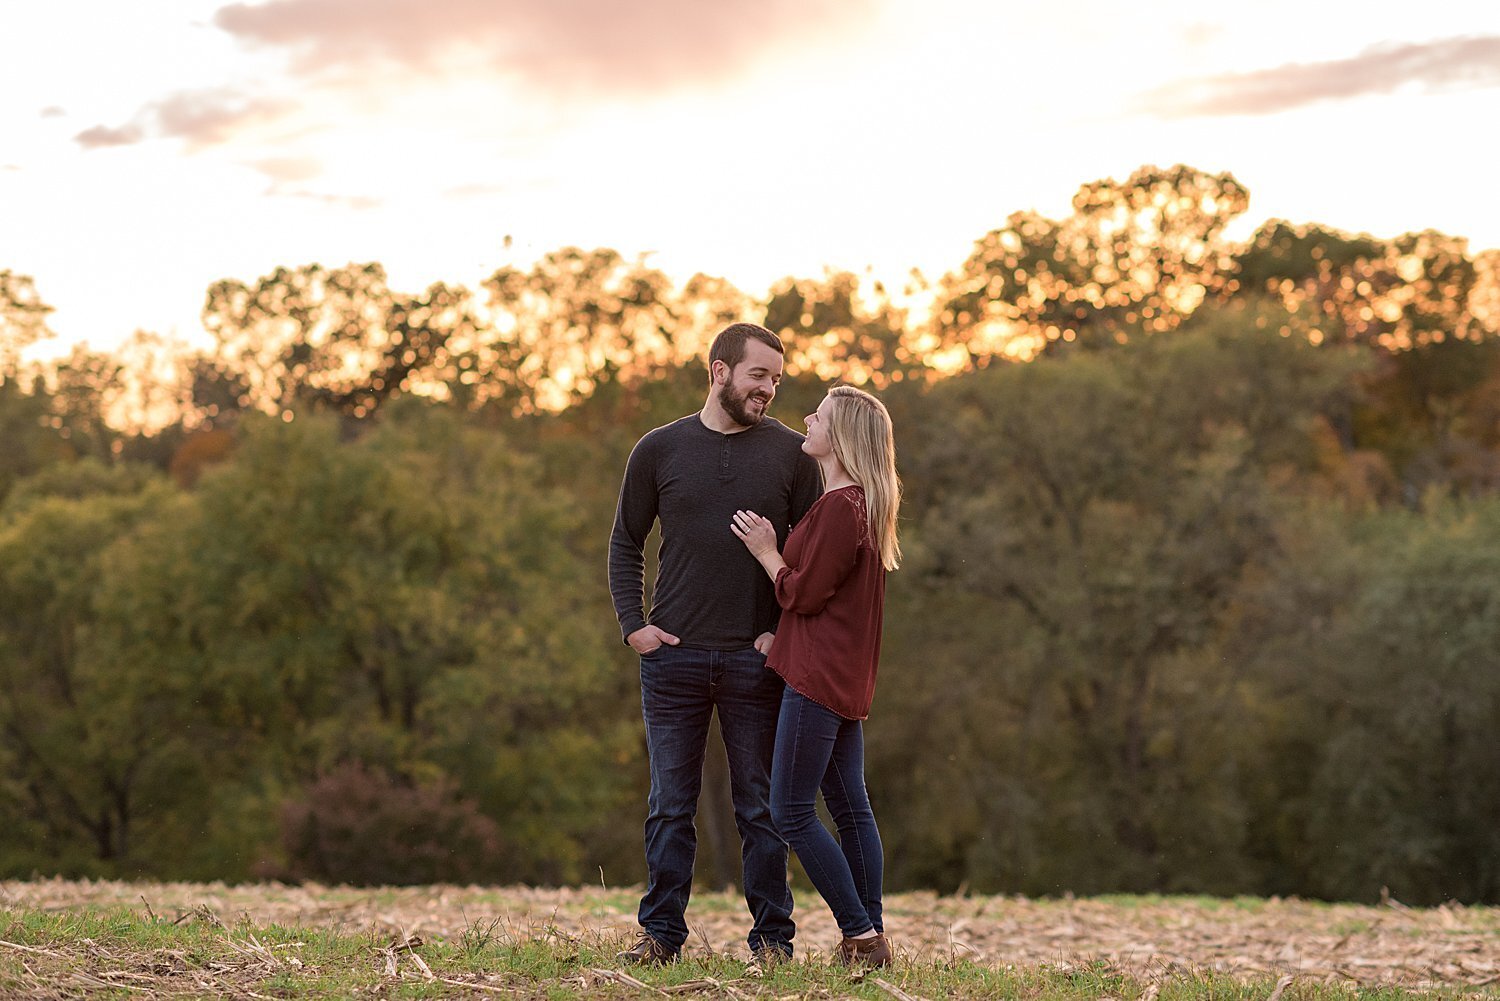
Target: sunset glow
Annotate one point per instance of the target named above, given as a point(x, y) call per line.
point(154, 149)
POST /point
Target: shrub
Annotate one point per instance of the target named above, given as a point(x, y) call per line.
point(365, 827)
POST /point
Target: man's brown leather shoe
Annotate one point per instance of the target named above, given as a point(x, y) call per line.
point(647, 951)
point(875, 951)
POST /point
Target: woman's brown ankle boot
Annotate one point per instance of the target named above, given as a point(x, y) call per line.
point(874, 951)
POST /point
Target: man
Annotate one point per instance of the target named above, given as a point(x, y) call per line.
point(713, 612)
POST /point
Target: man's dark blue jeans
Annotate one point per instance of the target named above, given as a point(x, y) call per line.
point(680, 689)
point(818, 748)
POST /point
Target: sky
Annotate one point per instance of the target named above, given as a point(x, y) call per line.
point(151, 148)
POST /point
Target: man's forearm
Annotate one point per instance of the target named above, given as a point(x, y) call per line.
point(627, 584)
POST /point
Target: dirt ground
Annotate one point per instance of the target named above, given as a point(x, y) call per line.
point(1148, 938)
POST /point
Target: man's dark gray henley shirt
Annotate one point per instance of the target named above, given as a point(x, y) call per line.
point(709, 591)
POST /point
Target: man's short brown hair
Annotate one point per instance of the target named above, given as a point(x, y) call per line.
point(729, 346)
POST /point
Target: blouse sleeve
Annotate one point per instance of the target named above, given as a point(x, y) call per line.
point(828, 555)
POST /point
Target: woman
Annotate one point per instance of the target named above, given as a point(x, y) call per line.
point(830, 584)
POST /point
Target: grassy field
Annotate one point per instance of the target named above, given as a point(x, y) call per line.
point(63, 939)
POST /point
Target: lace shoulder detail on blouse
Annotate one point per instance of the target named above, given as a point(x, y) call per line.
point(855, 498)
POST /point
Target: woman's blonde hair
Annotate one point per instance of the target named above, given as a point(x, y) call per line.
point(859, 430)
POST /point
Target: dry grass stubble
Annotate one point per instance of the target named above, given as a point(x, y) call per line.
point(1145, 938)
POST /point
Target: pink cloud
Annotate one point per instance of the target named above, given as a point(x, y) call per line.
point(1442, 65)
point(562, 45)
point(104, 136)
point(288, 169)
point(200, 117)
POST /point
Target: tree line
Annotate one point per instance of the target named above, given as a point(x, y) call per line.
point(1202, 590)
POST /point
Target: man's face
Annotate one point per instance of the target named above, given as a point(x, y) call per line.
point(747, 392)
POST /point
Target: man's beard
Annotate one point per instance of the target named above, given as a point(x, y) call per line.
point(736, 405)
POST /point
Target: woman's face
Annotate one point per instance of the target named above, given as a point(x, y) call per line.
point(817, 444)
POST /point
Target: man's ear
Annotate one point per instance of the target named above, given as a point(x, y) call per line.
point(718, 371)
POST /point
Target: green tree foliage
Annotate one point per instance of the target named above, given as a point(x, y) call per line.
point(82, 384)
point(577, 324)
point(1430, 412)
point(1207, 606)
point(1135, 256)
point(406, 602)
point(23, 321)
point(340, 338)
point(1417, 289)
point(1369, 649)
point(1425, 306)
point(399, 603)
point(836, 330)
point(1097, 516)
point(1405, 789)
point(90, 729)
point(584, 321)
point(29, 440)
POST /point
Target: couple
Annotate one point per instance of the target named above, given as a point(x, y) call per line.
point(786, 650)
